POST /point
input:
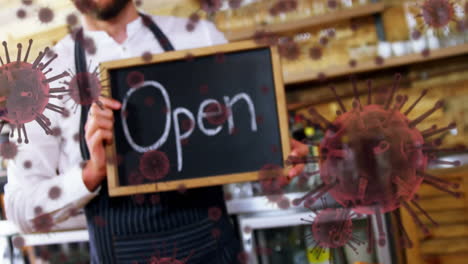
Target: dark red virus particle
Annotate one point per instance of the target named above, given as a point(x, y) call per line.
point(216, 114)
point(25, 91)
point(56, 132)
point(284, 203)
point(84, 88)
point(354, 24)
point(72, 20)
point(155, 199)
point(27, 2)
point(99, 221)
point(55, 192)
point(43, 223)
point(332, 228)
point(150, 101)
point(289, 49)
point(46, 15)
point(416, 34)
point(192, 22)
point(272, 182)
point(331, 33)
point(260, 119)
point(352, 63)
point(315, 53)
point(437, 14)
point(18, 242)
point(210, 6)
point(8, 150)
point(21, 13)
point(234, 4)
point(37, 210)
point(204, 89)
point(332, 4)
point(87, 42)
point(215, 233)
point(265, 38)
point(135, 78)
point(379, 60)
point(138, 3)
point(283, 6)
point(154, 165)
point(189, 57)
point(214, 213)
point(426, 52)
point(323, 41)
point(139, 198)
point(147, 56)
point(158, 259)
point(187, 124)
point(247, 230)
point(220, 57)
point(322, 77)
point(27, 164)
point(265, 89)
point(373, 158)
point(228, 196)
point(182, 189)
point(76, 137)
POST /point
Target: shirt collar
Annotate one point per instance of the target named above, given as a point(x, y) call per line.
point(132, 28)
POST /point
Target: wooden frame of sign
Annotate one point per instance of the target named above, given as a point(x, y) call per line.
point(114, 186)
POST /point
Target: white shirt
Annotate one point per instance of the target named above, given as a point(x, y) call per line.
point(29, 188)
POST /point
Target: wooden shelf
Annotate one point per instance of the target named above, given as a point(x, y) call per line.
point(359, 11)
point(336, 71)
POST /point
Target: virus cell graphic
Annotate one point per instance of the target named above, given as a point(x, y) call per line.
point(353, 63)
point(84, 88)
point(72, 20)
point(25, 92)
point(210, 6)
point(272, 182)
point(139, 199)
point(18, 242)
point(373, 158)
point(315, 53)
point(283, 6)
point(216, 114)
point(332, 4)
point(135, 78)
point(43, 223)
point(158, 259)
point(138, 3)
point(265, 38)
point(437, 14)
point(147, 56)
point(154, 165)
point(46, 15)
point(21, 13)
point(289, 49)
point(8, 150)
point(27, 2)
point(193, 21)
point(214, 213)
point(27, 164)
point(234, 4)
point(55, 192)
point(379, 60)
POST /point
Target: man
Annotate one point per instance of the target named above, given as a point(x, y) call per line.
point(56, 183)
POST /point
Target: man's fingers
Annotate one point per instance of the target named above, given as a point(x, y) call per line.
point(95, 110)
point(110, 103)
point(100, 137)
point(296, 170)
point(98, 123)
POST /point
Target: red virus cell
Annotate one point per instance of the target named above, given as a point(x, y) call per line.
point(76, 137)
point(154, 165)
point(147, 56)
point(379, 60)
point(27, 2)
point(289, 49)
point(265, 38)
point(150, 101)
point(158, 259)
point(216, 114)
point(182, 189)
point(332, 4)
point(18, 242)
point(437, 14)
point(260, 119)
point(37, 210)
point(46, 15)
point(416, 34)
point(21, 13)
point(84, 88)
point(315, 53)
point(220, 58)
point(352, 63)
point(25, 91)
point(187, 124)
point(135, 78)
point(210, 6)
point(192, 21)
point(373, 158)
point(139, 198)
point(99, 221)
point(189, 57)
point(8, 150)
point(55, 192)
point(283, 6)
point(190, 27)
point(247, 230)
point(138, 3)
point(56, 132)
point(87, 42)
point(331, 33)
point(72, 20)
point(27, 164)
point(234, 4)
point(332, 228)
point(43, 223)
point(215, 233)
point(426, 52)
point(214, 213)
point(228, 196)
point(323, 41)
point(272, 182)
point(155, 199)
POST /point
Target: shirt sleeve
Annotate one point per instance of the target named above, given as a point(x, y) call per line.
point(37, 185)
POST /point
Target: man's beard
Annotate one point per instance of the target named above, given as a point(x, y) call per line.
point(108, 12)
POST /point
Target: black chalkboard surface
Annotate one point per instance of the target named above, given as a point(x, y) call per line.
point(196, 118)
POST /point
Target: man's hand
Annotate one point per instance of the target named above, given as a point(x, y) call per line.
point(298, 149)
point(98, 131)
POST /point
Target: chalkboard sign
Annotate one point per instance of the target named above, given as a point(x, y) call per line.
point(194, 118)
